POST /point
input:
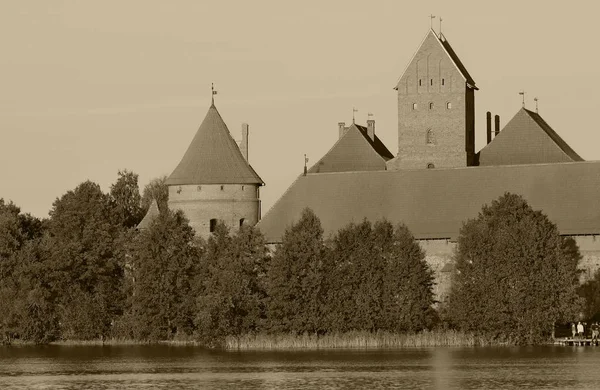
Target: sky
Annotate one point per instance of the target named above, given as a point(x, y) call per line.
point(91, 88)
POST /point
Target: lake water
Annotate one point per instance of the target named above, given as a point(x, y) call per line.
point(164, 367)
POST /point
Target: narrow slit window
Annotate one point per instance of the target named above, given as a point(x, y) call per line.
point(443, 82)
point(414, 106)
point(242, 188)
point(222, 188)
point(199, 188)
point(430, 81)
point(242, 222)
point(431, 106)
point(448, 105)
point(419, 82)
point(213, 224)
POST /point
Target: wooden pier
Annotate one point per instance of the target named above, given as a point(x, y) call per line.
point(578, 342)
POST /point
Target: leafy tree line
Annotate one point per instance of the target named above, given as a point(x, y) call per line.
point(87, 273)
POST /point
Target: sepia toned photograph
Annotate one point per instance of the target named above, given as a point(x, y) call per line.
point(299, 195)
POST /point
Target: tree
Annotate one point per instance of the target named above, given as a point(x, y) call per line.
point(84, 265)
point(165, 260)
point(294, 282)
point(515, 276)
point(407, 284)
point(126, 199)
point(158, 190)
point(231, 301)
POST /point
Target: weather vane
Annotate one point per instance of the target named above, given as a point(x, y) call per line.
point(212, 88)
point(535, 99)
point(353, 111)
point(441, 26)
point(431, 17)
point(522, 93)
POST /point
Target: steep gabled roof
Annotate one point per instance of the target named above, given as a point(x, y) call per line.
point(527, 139)
point(441, 39)
point(213, 157)
point(354, 151)
point(434, 203)
point(456, 60)
point(151, 214)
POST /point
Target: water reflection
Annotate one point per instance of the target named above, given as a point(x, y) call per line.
point(144, 367)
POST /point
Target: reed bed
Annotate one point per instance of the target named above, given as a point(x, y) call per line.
point(355, 340)
point(124, 342)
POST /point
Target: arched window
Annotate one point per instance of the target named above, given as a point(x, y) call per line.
point(430, 137)
point(431, 106)
point(448, 106)
point(430, 166)
point(213, 224)
point(242, 222)
point(414, 106)
point(242, 188)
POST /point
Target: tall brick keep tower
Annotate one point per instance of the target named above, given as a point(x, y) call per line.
point(436, 109)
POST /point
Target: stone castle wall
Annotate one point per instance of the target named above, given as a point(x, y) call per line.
point(232, 203)
point(439, 255)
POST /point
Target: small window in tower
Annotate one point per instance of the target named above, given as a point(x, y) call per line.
point(213, 224)
point(414, 106)
point(443, 82)
point(179, 190)
point(199, 188)
point(430, 166)
point(430, 81)
point(242, 222)
point(431, 106)
point(419, 82)
point(242, 188)
point(222, 188)
point(448, 105)
point(430, 137)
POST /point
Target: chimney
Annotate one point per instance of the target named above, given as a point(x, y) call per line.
point(488, 118)
point(371, 129)
point(342, 128)
point(496, 124)
point(244, 142)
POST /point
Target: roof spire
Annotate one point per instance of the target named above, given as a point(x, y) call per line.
point(212, 88)
point(353, 111)
point(522, 93)
point(441, 26)
point(431, 17)
point(535, 99)
point(305, 162)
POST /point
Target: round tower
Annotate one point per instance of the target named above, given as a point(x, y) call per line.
point(214, 180)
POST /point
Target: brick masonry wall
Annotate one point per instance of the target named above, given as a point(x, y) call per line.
point(432, 78)
point(439, 254)
point(202, 203)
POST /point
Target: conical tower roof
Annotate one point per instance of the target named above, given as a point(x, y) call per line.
point(213, 157)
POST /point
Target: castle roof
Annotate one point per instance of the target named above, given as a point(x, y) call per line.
point(527, 139)
point(443, 42)
point(151, 214)
point(213, 157)
point(434, 203)
point(354, 151)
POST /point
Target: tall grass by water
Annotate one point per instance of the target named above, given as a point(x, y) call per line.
point(355, 339)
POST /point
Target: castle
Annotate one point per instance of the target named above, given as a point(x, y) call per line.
point(433, 184)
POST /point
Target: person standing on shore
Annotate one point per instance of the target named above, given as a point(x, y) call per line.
point(580, 329)
point(573, 329)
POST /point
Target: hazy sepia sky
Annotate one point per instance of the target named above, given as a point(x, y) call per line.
point(91, 87)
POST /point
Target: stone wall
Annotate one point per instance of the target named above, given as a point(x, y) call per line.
point(439, 255)
point(232, 203)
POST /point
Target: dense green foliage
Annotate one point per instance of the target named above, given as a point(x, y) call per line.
point(86, 273)
point(515, 275)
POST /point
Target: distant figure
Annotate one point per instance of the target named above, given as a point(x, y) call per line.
point(580, 329)
point(595, 331)
point(573, 329)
